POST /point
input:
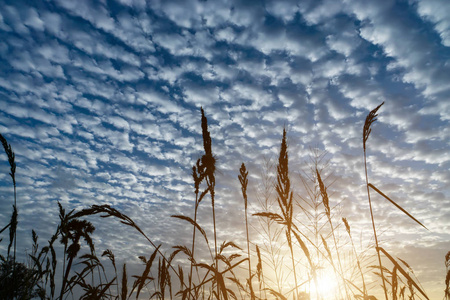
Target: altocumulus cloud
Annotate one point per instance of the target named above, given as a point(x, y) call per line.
point(100, 101)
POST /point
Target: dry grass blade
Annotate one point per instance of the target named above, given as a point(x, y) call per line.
point(276, 294)
point(144, 276)
point(193, 223)
point(228, 244)
point(124, 291)
point(272, 216)
point(304, 248)
point(396, 205)
point(183, 249)
point(203, 194)
point(4, 228)
point(404, 273)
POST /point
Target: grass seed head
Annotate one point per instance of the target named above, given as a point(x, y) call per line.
point(371, 117)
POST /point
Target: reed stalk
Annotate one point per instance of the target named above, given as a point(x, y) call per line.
point(244, 182)
point(284, 198)
point(209, 164)
point(371, 117)
point(13, 223)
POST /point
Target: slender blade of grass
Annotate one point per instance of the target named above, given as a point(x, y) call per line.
point(185, 218)
point(396, 205)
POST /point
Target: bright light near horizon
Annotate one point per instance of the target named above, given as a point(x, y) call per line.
point(326, 286)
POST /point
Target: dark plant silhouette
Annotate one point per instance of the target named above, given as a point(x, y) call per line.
point(447, 277)
point(244, 182)
point(20, 283)
point(50, 274)
point(13, 223)
point(372, 117)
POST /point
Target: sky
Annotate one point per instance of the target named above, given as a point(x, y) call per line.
point(100, 101)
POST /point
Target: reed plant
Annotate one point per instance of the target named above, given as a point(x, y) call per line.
point(14, 217)
point(244, 183)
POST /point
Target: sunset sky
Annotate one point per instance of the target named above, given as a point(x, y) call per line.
point(100, 101)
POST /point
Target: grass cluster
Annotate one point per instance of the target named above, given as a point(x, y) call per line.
point(304, 247)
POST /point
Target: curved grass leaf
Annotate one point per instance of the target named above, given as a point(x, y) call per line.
point(276, 294)
point(185, 218)
point(396, 205)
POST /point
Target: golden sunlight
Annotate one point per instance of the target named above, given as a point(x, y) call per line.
point(326, 286)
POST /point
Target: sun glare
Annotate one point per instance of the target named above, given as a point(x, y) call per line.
point(326, 286)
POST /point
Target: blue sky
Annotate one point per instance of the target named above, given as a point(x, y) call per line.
point(101, 100)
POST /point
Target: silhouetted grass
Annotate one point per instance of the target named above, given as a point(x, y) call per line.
point(304, 229)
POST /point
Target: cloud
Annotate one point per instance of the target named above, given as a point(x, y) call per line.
point(437, 11)
point(101, 103)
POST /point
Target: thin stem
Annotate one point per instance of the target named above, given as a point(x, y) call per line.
point(248, 254)
point(244, 182)
point(15, 230)
point(293, 262)
point(215, 232)
point(373, 226)
point(193, 242)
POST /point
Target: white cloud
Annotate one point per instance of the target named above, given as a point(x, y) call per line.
point(437, 12)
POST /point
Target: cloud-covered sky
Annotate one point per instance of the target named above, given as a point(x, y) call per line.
point(101, 100)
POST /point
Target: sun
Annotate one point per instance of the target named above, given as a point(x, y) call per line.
point(327, 286)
